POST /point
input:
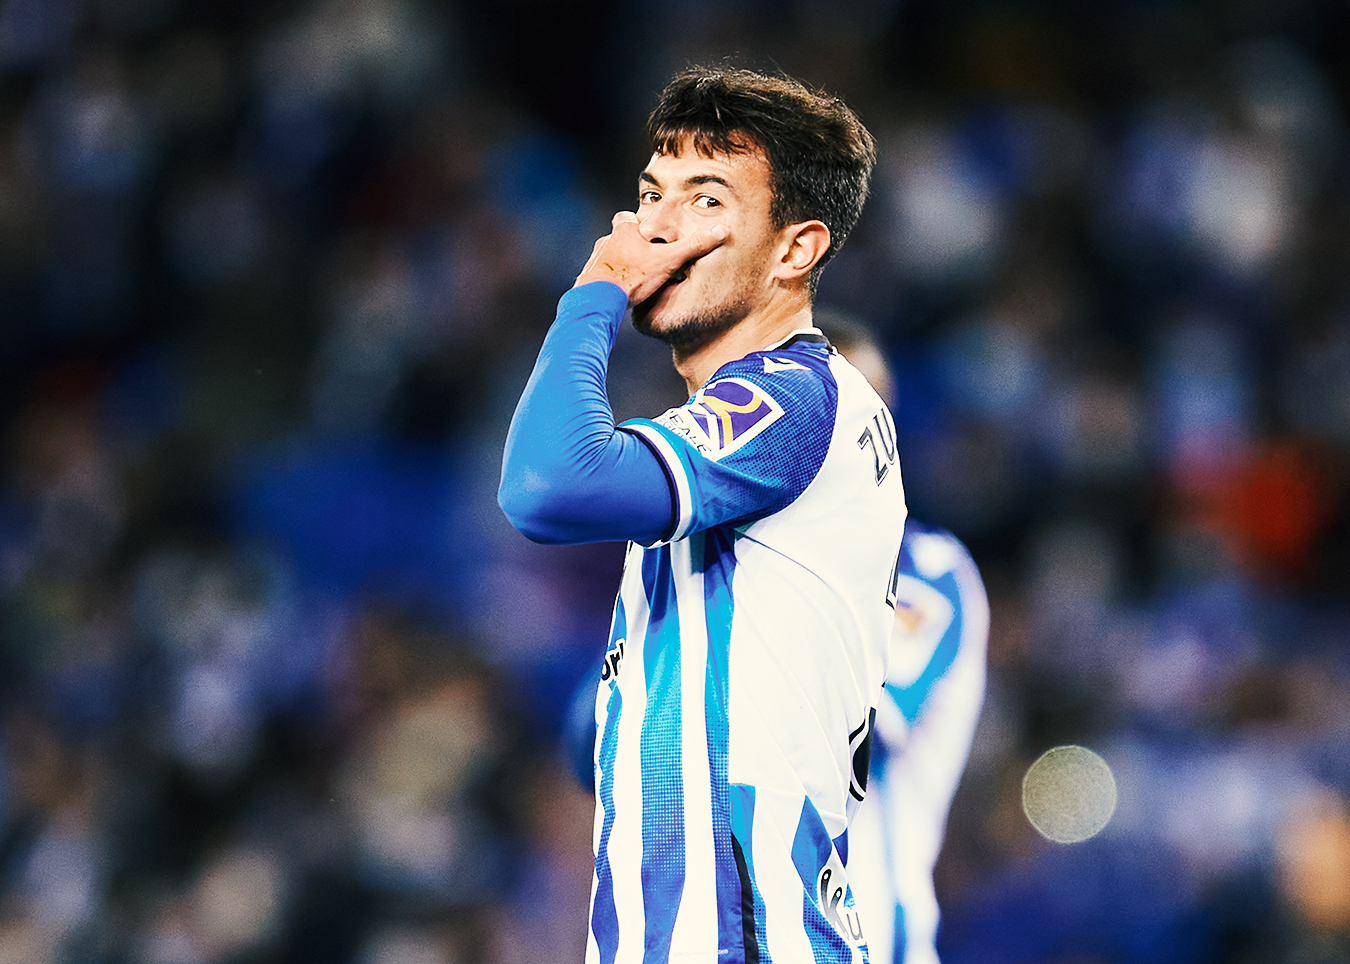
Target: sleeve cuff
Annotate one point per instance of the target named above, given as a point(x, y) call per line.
point(596, 295)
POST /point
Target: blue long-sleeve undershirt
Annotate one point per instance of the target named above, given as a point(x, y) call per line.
point(568, 474)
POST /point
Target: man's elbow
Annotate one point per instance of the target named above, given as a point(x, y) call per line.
point(529, 514)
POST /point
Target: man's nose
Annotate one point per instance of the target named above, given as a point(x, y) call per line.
point(657, 224)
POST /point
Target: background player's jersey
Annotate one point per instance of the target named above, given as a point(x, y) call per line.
point(745, 662)
point(924, 727)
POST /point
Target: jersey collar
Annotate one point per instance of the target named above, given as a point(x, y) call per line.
point(799, 336)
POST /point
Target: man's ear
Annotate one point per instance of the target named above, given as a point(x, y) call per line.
point(803, 245)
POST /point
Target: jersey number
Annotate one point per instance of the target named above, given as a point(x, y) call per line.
point(881, 442)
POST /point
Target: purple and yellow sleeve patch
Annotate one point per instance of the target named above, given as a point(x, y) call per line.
point(723, 416)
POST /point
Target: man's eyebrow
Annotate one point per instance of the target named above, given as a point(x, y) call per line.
point(709, 179)
point(694, 181)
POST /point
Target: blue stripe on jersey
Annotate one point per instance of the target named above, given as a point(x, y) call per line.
point(811, 850)
point(911, 698)
point(662, 774)
point(741, 800)
point(604, 916)
point(898, 945)
point(826, 945)
point(718, 564)
point(811, 846)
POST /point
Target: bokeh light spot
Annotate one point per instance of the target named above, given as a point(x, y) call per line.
point(1069, 794)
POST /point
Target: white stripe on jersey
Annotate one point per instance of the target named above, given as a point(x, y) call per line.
point(625, 844)
point(777, 876)
point(698, 906)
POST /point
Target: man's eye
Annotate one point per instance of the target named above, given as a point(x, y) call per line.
point(648, 197)
point(704, 201)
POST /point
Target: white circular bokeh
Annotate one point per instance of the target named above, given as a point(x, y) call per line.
point(1069, 794)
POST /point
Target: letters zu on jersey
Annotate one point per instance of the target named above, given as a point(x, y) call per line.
point(748, 652)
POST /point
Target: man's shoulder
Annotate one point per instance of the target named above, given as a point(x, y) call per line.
point(796, 372)
point(779, 389)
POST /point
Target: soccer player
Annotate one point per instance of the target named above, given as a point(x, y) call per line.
point(751, 631)
point(926, 721)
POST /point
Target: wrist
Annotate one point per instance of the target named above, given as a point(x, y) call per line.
point(598, 299)
point(591, 275)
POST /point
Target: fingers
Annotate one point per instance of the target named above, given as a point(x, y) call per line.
point(705, 241)
point(667, 258)
point(636, 264)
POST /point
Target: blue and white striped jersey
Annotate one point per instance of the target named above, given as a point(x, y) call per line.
point(746, 660)
point(924, 728)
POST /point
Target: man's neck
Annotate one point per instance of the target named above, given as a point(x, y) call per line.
point(753, 334)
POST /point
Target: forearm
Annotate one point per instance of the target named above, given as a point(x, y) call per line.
point(568, 476)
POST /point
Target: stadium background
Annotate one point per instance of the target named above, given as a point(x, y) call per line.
point(278, 683)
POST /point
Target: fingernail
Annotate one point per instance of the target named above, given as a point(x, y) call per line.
point(719, 231)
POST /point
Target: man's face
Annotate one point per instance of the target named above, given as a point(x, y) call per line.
point(684, 192)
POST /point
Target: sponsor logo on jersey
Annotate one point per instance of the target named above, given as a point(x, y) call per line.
point(613, 657)
point(723, 416)
point(836, 901)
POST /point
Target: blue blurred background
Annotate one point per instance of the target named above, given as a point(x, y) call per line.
point(279, 684)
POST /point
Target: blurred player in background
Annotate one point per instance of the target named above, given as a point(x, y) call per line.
point(926, 722)
point(764, 516)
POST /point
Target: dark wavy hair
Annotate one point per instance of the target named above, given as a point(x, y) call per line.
point(820, 155)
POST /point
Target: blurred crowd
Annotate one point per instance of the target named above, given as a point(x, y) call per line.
point(279, 684)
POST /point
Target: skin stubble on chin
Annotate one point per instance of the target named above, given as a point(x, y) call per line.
point(693, 331)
